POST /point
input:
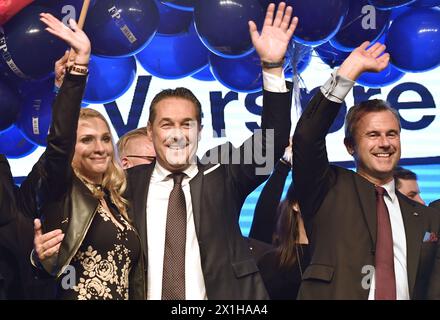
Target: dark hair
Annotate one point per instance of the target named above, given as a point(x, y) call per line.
point(358, 111)
point(286, 236)
point(179, 92)
point(403, 174)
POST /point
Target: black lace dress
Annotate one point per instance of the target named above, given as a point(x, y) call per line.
point(101, 266)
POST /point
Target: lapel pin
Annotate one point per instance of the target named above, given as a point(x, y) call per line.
point(415, 214)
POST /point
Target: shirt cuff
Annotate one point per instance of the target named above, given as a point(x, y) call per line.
point(273, 83)
point(337, 87)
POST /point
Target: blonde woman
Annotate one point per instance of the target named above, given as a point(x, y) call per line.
point(76, 190)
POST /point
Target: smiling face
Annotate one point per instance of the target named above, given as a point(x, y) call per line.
point(175, 133)
point(376, 146)
point(93, 149)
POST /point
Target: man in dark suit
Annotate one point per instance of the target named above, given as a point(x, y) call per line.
point(217, 262)
point(435, 204)
point(361, 229)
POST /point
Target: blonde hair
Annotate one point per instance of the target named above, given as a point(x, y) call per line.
point(114, 179)
point(122, 142)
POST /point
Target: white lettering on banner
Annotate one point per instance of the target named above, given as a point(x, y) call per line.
point(417, 96)
point(115, 13)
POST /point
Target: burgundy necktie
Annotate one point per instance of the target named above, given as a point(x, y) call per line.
point(173, 281)
point(384, 270)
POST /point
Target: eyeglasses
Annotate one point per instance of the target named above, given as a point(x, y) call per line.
point(148, 158)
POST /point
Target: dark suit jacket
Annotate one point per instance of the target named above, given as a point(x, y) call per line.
point(435, 204)
point(229, 270)
point(7, 202)
point(339, 211)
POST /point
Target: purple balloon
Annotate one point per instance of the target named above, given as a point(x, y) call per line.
point(426, 3)
point(174, 57)
point(223, 25)
point(320, 22)
point(330, 55)
point(381, 79)
point(121, 28)
point(36, 111)
point(413, 40)
point(9, 105)
point(204, 75)
point(109, 78)
point(240, 75)
point(28, 49)
point(14, 145)
point(362, 23)
point(390, 4)
point(185, 5)
point(173, 21)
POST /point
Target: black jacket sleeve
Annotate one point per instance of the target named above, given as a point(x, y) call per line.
point(7, 198)
point(265, 215)
point(51, 175)
point(313, 176)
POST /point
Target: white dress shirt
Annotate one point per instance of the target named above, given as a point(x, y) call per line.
point(157, 205)
point(399, 244)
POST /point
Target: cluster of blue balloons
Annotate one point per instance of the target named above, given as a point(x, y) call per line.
point(207, 40)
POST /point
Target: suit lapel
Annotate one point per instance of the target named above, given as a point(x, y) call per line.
point(141, 184)
point(414, 232)
point(367, 199)
point(195, 185)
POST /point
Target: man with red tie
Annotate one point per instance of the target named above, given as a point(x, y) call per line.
point(368, 241)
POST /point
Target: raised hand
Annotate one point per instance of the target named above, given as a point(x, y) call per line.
point(75, 37)
point(60, 69)
point(363, 60)
point(271, 44)
point(47, 244)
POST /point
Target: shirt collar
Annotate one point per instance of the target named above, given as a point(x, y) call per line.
point(162, 174)
point(390, 187)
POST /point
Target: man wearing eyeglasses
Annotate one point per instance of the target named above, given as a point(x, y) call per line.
point(135, 148)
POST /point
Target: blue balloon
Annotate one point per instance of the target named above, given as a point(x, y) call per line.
point(36, 111)
point(318, 22)
point(14, 145)
point(186, 5)
point(9, 105)
point(173, 21)
point(240, 75)
point(29, 50)
point(204, 75)
point(362, 23)
point(65, 8)
point(174, 57)
point(109, 78)
point(384, 78)
point(120, 28)
point(390, 4)
point(223, 25)
point(413, 40)
point(330, 55)
point(426, 3)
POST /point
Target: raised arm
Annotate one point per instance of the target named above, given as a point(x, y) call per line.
point(51, 175)
point(313, 176)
